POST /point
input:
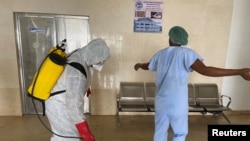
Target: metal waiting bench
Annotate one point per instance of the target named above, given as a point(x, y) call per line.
point(207, 96)
point(135, 97)
point(140, 97)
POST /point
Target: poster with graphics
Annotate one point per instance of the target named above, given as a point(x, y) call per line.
point(148, 16)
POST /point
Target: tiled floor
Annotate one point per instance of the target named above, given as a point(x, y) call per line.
point(104, 128)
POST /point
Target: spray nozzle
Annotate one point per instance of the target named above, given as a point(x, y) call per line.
point(62, 44)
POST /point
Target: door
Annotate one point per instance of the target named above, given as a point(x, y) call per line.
point(36, 33)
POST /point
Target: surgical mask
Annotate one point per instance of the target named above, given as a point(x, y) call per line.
point(98, 67)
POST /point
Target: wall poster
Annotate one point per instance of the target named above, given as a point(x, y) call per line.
point(148, 16)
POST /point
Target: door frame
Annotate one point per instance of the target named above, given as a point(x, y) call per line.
point(20, 57)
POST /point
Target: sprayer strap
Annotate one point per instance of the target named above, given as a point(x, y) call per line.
point(79, 67)
point(57, 92)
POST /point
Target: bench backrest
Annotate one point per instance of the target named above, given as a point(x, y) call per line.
point(191, 95)
point(131, 89)
point(132, 93)
point(207, 94)
point(150, 89)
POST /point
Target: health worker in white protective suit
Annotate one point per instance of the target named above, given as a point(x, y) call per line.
point(65, 111)
point(173, 66)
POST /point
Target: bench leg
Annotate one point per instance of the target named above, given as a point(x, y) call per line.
point(117, 113)
point(229, 122)
point(221, 113)
point(118, 119)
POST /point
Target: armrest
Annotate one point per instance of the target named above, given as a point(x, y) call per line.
point(229, 100)
point(118, 101)
point(118, 98)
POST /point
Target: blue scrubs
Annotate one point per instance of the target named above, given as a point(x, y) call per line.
point(172, 66)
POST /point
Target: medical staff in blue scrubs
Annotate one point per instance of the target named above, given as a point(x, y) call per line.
point(173, 66)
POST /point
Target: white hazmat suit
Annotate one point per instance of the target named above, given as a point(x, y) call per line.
point(65, 111)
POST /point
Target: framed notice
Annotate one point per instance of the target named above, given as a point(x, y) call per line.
point(148, 16)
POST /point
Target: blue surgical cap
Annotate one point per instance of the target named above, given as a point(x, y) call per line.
point(178, 35)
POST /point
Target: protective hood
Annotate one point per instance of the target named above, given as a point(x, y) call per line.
point(95, 52)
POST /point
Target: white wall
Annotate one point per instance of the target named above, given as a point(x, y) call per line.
point(207, 22)
point(238, 56)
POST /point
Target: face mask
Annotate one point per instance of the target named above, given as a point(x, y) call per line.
point(98, 67)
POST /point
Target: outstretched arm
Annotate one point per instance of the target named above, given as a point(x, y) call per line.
point(143, 66)
point(201, 68)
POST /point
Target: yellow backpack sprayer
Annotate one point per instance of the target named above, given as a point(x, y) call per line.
point(47, 75)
